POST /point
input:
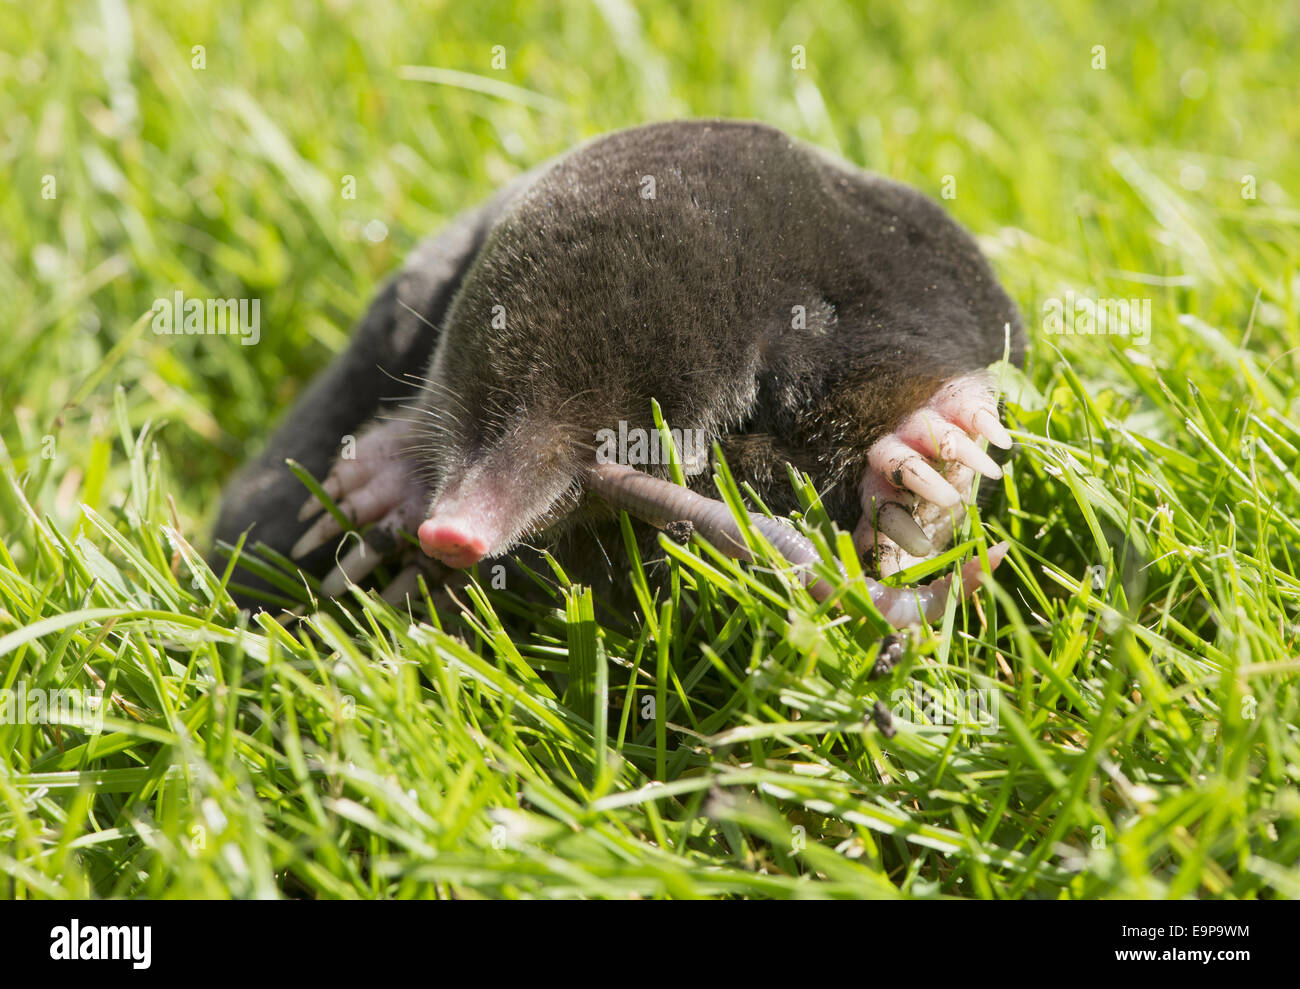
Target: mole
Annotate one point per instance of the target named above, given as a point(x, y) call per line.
point(773, 299)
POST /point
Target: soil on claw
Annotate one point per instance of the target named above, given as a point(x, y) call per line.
point(921, 476)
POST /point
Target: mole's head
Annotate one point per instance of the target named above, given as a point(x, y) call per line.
point(503, 456)
point(585, 304)
point(539, 356)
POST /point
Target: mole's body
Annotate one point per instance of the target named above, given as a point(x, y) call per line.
point(769, 297)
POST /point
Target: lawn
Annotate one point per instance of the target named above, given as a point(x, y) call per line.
point(1136, 731)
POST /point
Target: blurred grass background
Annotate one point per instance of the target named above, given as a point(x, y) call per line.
point(1123, 181)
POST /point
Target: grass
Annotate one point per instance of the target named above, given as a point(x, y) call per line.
point(1137, 661)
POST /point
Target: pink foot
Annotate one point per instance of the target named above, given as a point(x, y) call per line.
point(376, 487)
point(920, 477)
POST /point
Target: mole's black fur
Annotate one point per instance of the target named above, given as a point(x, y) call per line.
point(790, 305)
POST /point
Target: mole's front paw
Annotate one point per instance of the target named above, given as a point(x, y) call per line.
point(377, 487)
point(920, 475)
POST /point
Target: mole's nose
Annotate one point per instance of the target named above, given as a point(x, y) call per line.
point(451, 542)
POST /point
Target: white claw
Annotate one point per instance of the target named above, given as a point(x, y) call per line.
point(898, 524)
point(362, 506)
point(940, 439)
point(987, 425)
point(905, 468)
point(360, 561)
point(405, 584)
point(926, 482)
point(332, 486)
point(972, 402)
point(312, 506)
point(887, 512)
point(322, 531)
point(965, 451)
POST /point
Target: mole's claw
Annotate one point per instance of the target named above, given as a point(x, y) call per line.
point(965, 451)
point(928, 483)
point(383, 492)
point(937, 438)
point(885, 531)
point(985, 422)
point(312, 506)
point(359, 562)
point(921, 474)
point(322, 531)
point(887, 511)
point(405, 584)
point(905, 468)
point(332, 486)
point(897, 523)
point(971, 402)
point(366, 483)
point(380, 494)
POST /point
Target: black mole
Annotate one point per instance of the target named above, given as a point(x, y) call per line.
point(770, 297)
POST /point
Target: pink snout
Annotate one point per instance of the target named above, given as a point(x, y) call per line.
point(452, 542)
